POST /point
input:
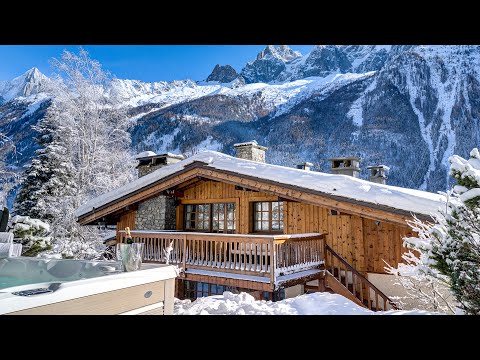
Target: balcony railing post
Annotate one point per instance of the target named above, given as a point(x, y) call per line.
point(273, 261)
point(184, 255)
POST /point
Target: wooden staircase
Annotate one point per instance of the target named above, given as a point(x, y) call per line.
point(342, 278)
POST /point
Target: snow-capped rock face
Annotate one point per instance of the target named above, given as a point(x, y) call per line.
point(269, 64)
point(322, 61)
point(222, 74)
point(30, 83)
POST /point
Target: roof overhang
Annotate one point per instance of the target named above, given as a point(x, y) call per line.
point(286, 191)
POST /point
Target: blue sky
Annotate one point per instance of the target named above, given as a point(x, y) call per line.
point(142, 62)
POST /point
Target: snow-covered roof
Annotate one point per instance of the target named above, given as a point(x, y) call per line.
point(409, 200)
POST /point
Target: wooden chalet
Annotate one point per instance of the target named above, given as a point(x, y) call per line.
point(239, 224)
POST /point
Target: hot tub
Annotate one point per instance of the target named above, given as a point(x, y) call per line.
point(53, 286)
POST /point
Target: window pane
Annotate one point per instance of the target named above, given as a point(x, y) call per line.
point(215, 225)
point(274, 206)
point(231, 206)
point(275, 225)
point(200, 216)
point(281, 215)
point(258, 206)
point(264, 225)
point(189, 208)
point(280, 204)
point(258, 216)
point(281, 225)
point(258, 225)
point(230, 225)
point(265, 206)
point(275, 215)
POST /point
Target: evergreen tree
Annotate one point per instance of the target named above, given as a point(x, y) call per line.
point(456, 251)
point(449, 248)
point(50, 174)
point(8, 177)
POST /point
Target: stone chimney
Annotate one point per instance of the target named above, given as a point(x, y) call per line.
point(148, 161)
point(158, 213)
point(250, 151)
point(305, 166)
point(378, 174)
point(348, 165)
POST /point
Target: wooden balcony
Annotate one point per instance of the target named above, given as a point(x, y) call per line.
point(268, 259)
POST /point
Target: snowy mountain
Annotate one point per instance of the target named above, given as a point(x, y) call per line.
point(25, 85)
point(270, 64)
point(409, 107)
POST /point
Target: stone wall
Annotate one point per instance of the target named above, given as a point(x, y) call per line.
point(251, 153)
point(144, 170)
point(156, 214)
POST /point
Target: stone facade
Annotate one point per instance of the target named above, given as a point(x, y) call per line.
point(251, 151)
point(156, 214)
point(144, 170)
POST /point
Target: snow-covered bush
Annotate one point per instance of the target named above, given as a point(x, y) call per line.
point(33, 234)
point(425, 287)
point(449, 248)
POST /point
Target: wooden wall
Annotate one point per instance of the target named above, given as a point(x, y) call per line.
point(127, 219)
point(362, 242)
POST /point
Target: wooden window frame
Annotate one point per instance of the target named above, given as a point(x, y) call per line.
point(235, 201)
point(270, 220)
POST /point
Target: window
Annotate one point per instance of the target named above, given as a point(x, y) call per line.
point(197, 217)
point(223, 218)
point(268, 216)
point(218, 217)
point(194, 290)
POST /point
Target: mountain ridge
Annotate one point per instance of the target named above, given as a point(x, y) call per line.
point(410, 107)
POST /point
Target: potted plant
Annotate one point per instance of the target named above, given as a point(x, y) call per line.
point(130, 253)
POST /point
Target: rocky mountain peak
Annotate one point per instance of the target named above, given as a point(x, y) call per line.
point(29, 83)
point(269, 64)
point(222, 74)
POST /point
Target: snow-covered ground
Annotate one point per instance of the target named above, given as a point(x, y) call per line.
point(308, 304)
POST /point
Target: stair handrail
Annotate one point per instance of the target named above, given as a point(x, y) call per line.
point(363, 278)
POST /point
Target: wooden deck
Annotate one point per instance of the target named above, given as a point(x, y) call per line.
point(267, 259)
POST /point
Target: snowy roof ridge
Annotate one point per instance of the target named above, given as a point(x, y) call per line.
point(409, 200)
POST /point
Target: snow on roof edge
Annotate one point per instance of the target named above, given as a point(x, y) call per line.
point(409, 200)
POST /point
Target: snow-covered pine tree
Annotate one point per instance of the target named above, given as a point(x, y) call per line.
point(450, 246)
point(8, 177)
point(456, 251)
point(88, 152)
point(50, 175)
